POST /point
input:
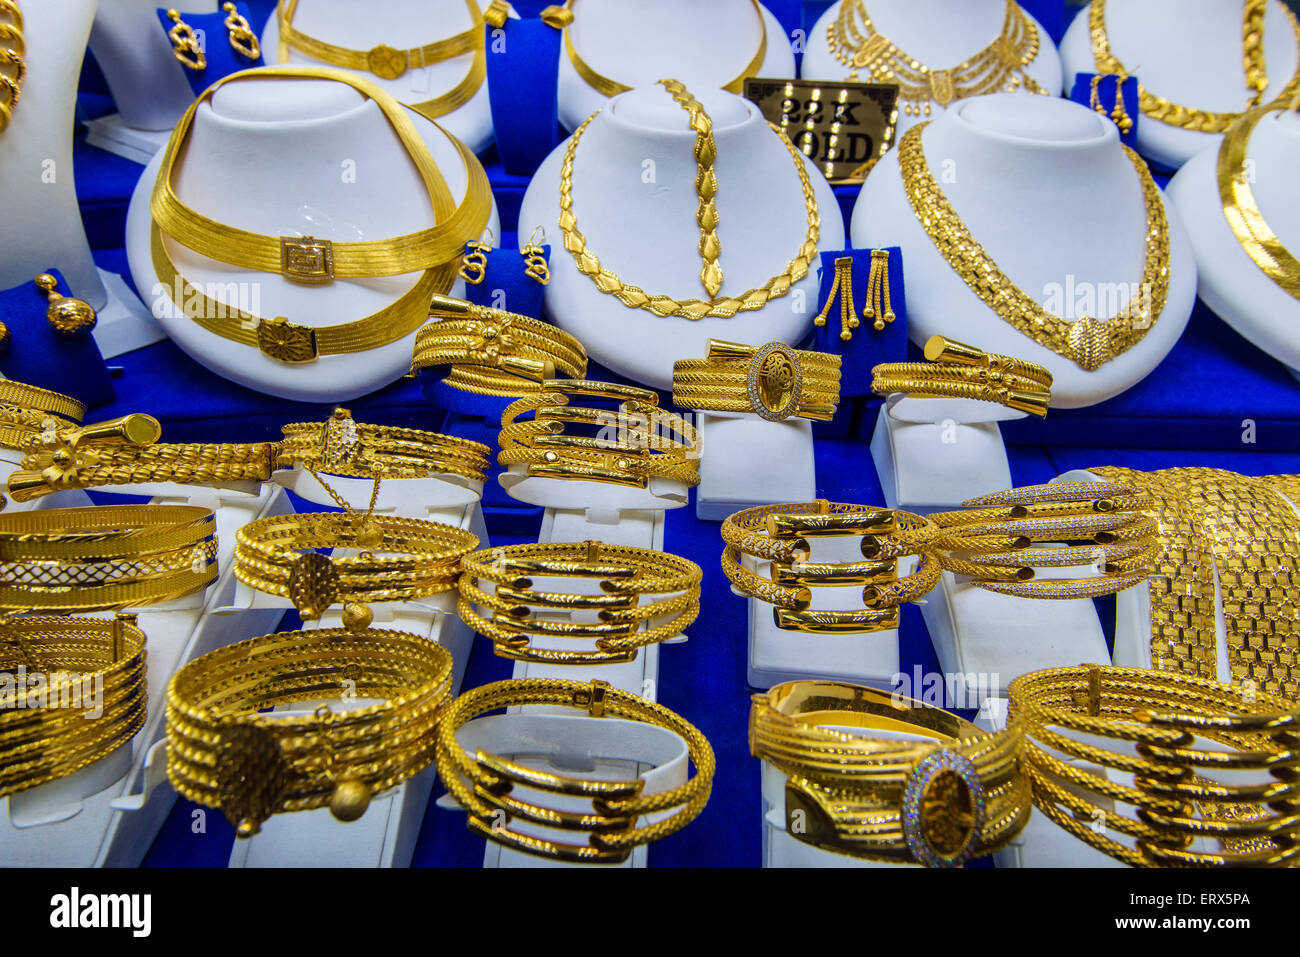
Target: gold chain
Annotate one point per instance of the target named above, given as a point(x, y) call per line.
point(13, 59)
point(706, 184)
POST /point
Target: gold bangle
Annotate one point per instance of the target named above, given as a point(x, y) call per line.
point(225, 750)
point(956, 370)
point(484, 784)
point(89, 701)
point(105, 557)
point(773, 381)
point(342, 446)
point(1161, 716)
point(939, 802)
point(644, 597)
point(28, 412)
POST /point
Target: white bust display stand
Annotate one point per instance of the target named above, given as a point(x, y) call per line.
point(705, 45)
point(1232, 285)
point(939, 33)
point(1188, 51)
point(1045, 188)
point(288, 157)
point(401, 24)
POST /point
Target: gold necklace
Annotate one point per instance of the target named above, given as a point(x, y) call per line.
point(1243, 213)
point(999, 66)
point(1203, 121)
point(13, 54)
point(1087, 341)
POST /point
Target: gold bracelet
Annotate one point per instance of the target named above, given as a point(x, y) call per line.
point(1185, 730)
point(342, 446)
point(105, 557)
point(494, 352)
point(939, 802)
point(87, 701)
point(628, 445)
point(399, 559)
point(28, 412)
point(779, 534)
point(643, 597)
point(772, 381)
point(958, 371)
point(484, 784)
point(225, 750)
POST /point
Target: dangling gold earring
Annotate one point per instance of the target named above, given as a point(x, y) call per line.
point(68, 316)
point(242, 39)
point(535, 258)
point(842, 284)
point(1119, 114)
point(185, 44)
point(473, 264)
point(879, 306)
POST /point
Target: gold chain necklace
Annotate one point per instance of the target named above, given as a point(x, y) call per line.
point(13, 58)
point(999, 66)
point(1087, 341)
point(1243, 213)
point(1203, 121)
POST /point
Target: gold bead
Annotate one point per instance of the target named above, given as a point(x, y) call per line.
point(350, 800)
point(6, 337)
point(68, 316)
point(357, 616)
point(246, 828)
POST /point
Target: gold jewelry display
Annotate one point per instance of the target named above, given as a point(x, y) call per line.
point(779, 534)
point(1162, 110)
point(66, 315)
point(343, 446)
point(1241, 209)
point(610, 87)
point(13, 60)
point(1000, 66)
point(494, 352)
point(999, 540)
point(186, 47)
point(105, 557)
point(629, 445)
point(772, 381)
point(306, 259)
point(637, 597)
point(226, 750)
point(28, 413)
point(955, 370)
point(1087, 341)
point(389, 63)
point(536, 267)
point(485, 784)
point(1117, 114)
point(89, 701)
point(938, 802)
point(242, 38)
point(1187, 732)
point(473, 262)
point(841, 285)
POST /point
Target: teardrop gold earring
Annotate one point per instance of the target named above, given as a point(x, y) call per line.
point(242, 39)
point(185, 44)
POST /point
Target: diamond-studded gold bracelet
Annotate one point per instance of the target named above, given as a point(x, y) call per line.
point(772, 381)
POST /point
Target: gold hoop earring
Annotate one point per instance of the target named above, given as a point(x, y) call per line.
point(535, 258)
point(185, 44)
point(473, 263)
point(242, 39)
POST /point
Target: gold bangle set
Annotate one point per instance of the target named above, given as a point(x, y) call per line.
point(772, 381)
point(955, 370)
point(28, 413)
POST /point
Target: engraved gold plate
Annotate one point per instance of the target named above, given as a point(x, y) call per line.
point(285, 341)
point(306, 259)
point(383, 61)
point(775, 381)
point(251, 772)
point(313, 585)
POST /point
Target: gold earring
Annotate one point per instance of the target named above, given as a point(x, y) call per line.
point(185, 44)
point(68, 316)
point(242, 39)
point(843, 285)
point(879, 306)
point(1119, 114)
point(473, 263)
point(535, 258)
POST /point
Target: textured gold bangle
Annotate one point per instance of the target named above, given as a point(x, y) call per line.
point(1186, 732)
point(937, 802)
point(29, 413)
point(772, 381)
point(88, 701)
point(638, 597)
point(105, 557)
point(225, 750)
point(956, 370)
point(485, 784)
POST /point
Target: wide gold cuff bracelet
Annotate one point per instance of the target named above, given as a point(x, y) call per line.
point(773, 381)
point(27, 412)
point(494, 352)
point(779, 534)
point(626, 445)
point(534, 609)
point(343, 446)
point(105, 557)
point(1195, 762)
point(938, 802)
point(958, 371)
point(225, 750)
point(72, 691)
point(486, 784)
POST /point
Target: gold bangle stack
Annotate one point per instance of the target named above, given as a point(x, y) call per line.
point(494, 352)
point(999, 540)
point(779, 534)
point(484, 784)
point(957, 371)
point(89, 701)
point(28, 412)
point(637, 597)
point(225, 750)
point(399, 559)
point(773, 381)
point(105, 557)
point(938, 802)
point(628, 445)
point(342, 446)
point(1211, 764)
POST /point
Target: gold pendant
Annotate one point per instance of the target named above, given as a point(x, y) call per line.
point(283, 340)
point(385, 62)
point(313, 585)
